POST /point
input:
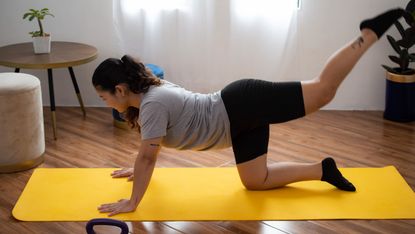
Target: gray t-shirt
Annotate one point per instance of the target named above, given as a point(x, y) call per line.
point(184, 119)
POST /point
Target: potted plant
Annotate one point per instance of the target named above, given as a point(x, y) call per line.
point(41, 40)
point(400, 82)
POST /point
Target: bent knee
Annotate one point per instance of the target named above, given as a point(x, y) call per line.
point(253, 187)
point(322, 93)
point(328, 93)
point(253, 173)
point(254, 184)
point(316, 94)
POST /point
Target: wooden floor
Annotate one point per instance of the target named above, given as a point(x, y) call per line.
point(354, 139)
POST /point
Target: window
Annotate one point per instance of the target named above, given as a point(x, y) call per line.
point(132, 6)
point(265, 8)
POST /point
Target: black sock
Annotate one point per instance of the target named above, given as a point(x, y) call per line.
point(381, 23)
point(333, 176)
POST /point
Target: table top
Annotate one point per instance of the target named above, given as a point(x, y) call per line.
point(62, 54)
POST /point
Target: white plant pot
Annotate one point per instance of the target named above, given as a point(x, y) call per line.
point(41, 45)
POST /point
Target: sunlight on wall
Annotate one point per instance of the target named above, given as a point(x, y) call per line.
point(267, 9)
point(246, 8)
point(266, 30)
point(133, 6)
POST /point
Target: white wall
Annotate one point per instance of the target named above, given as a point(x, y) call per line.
point(321, 27)
point(325, 25)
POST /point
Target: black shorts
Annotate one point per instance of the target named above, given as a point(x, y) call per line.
point(252, 105)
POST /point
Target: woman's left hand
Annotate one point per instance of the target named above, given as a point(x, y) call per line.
point(122, 206)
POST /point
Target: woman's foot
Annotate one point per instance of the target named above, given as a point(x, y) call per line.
point(333, 176)
point(381, 23)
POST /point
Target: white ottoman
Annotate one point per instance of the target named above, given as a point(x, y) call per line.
point(22, 139)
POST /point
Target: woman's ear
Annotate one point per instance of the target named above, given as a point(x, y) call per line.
point(121, 89)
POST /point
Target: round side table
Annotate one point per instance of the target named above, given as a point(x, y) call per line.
point(62, 55)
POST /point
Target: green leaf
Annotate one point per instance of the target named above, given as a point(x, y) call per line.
point(400, 28)
point(404, 59)
point(26, 15)
point(408, 18)
point(410, 6)
point(394, 45)
point(395, 59)
point(31, 17)
point(389, 69)
point(408, 71)
point(35, 33)
point(408, 40)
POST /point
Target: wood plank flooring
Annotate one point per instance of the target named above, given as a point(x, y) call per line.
point(355, 139)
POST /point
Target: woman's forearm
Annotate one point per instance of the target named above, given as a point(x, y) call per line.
point(143, 170)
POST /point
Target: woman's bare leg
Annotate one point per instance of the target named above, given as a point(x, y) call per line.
point(321, 90)
point(257, 175)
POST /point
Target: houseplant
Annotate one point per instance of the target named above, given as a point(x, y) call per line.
point(400, 82)
point(41, 40)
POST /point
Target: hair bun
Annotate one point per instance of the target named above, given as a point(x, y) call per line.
point(135, 69)
point(132, 65)
point(128, 60)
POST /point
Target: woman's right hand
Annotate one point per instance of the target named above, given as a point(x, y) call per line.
point(125, 172)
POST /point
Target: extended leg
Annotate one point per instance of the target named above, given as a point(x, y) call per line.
point(322, 89)
point(257, 175)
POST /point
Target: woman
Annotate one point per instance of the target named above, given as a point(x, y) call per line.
point(239, 116)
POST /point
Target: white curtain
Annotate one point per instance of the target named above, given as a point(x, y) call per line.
point(205, 44)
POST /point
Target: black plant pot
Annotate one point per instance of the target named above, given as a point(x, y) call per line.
point(400, 98)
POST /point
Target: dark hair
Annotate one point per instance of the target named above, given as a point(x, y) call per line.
point(126, 70)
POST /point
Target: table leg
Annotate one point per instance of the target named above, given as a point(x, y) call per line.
point(52, 102)
point(78, 93)
point(17, 70)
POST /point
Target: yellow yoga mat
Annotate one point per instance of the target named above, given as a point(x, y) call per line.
point(73, 194)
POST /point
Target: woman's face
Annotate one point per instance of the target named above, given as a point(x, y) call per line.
point(118, 100)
